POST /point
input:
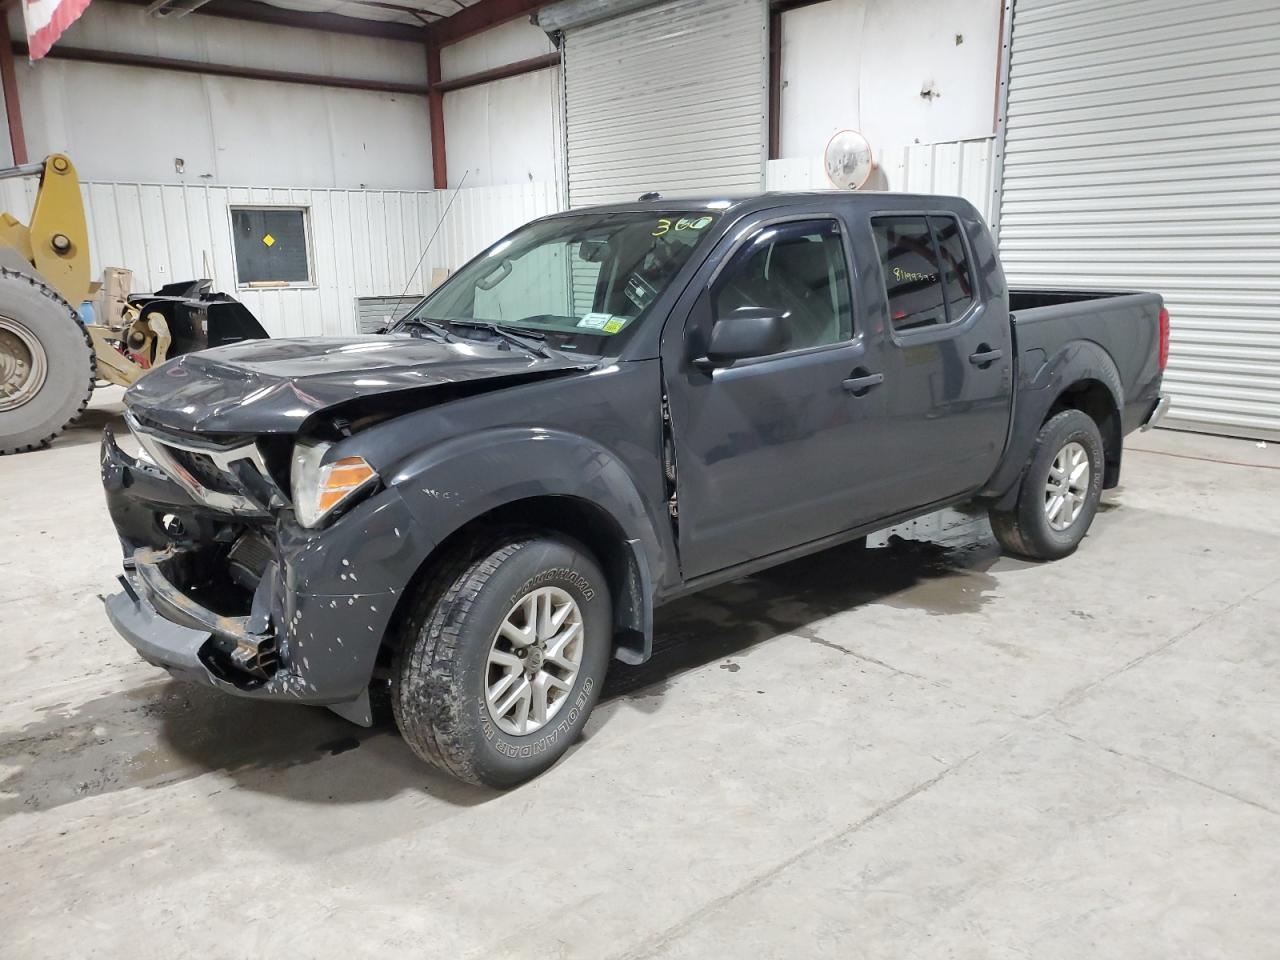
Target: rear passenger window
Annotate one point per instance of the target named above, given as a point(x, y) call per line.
point(927, 277)
point(957, 278)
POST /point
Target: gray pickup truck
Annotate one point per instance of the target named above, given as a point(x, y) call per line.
point(466, 518)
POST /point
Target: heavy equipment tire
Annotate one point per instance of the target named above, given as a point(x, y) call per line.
point(480, 646)
point(47, 366)
point(1059, 492)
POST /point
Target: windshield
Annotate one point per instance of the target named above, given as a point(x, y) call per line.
point(571, 277)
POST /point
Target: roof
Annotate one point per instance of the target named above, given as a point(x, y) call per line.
point(415, 12)
point(443, 21)
point(739, 203)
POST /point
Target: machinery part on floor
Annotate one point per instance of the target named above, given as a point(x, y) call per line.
point(49, 358)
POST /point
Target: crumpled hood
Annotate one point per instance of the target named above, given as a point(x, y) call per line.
point(272, 386)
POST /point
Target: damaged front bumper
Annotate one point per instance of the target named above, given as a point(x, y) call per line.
point(248, 643)
point(257, 607)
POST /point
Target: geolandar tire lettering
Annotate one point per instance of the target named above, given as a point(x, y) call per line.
point(1059, 492)
point(548, 741)
point(502, 659)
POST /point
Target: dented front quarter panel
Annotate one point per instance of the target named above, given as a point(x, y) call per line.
point(341, 587)
point(594, 436)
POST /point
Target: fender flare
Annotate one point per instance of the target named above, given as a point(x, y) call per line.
point(450, 484)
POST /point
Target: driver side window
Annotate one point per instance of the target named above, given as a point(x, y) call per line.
point(797, 270)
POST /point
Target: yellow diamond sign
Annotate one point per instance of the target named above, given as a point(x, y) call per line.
point(269, 240)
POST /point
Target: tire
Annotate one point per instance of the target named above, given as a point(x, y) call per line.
point(443, 669)
point(38, 328)
point(1027, 530)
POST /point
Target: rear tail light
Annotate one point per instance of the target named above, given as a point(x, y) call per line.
point(1164, 338)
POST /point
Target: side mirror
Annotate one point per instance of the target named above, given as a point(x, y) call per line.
point(746, 333)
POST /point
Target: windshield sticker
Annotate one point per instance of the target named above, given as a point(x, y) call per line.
point(604, 322)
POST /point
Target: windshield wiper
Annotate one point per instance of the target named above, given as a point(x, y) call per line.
point(435, 328)
point(534, 346)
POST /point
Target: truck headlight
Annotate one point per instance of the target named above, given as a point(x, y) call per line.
point(319, 489)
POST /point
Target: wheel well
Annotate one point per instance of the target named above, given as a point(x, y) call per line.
point(580, 520)
point(1095, 399)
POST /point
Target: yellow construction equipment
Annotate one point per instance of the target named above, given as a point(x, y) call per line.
point(50, 359)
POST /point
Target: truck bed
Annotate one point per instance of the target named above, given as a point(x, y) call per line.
point(1029, 301)
point(1126, 326)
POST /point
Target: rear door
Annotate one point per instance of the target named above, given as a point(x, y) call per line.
point(947, 371)
point(775, 451)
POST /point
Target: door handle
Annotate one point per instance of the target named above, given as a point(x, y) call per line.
point(985, 356)
point(858, 386)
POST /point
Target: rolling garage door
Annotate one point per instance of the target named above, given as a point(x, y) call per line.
point(1142, 151)
point(671, 97)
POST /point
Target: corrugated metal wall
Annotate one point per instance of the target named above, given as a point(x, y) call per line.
point(670, 98)
point(1143, 152)
point(955, 169)
point(363, 242)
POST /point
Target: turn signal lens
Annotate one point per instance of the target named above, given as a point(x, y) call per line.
point(341, 479)
point(319, 489)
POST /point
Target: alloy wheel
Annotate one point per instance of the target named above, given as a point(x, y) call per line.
point(1067, 488)
point(534, 661)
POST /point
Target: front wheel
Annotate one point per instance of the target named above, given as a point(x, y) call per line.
point(46, 364)
point(503, 659)
point(1059, 492)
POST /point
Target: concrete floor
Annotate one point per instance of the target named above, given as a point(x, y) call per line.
point(924, 752)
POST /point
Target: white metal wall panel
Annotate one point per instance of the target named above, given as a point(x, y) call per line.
point(1142, 152)
point(374, 313)
point(364, 243)
point(669, 98)
point(960, 169)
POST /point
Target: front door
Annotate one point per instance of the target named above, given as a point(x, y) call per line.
point(775, 451)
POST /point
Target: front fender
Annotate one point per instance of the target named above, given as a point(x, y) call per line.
point(1043, 381)
point(458, 480)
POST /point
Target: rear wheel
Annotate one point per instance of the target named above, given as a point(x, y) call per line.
point(1059, 492)
point(503, 659)
point(46, 364)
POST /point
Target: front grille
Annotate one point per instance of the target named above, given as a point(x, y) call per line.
point(212, 474)
point(201, 466)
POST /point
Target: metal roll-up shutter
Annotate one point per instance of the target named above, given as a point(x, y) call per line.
point(669, 98)
point(1142, 151)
